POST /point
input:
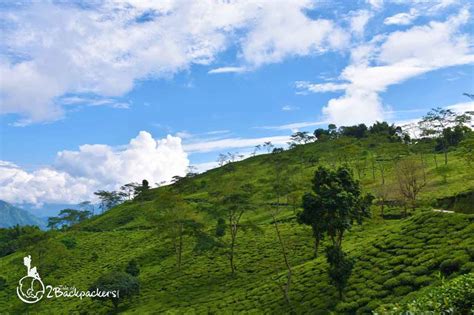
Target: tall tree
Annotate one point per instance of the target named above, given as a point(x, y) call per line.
point(279, 188)
point(234, 204)
point(436, 121)
point(335, 203)
point(177, 219)
point(108, 199)
point(409, 174)
point(331, 209)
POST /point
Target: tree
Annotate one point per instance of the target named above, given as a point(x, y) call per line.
point(268, 145)
point(357, 131)
point(132, 268)
point(300, 137)
point(314, 216)
point(340, 267)
point(410, 179)
point(331, 209)
point(121, 286)
point(280, 187)
point(176, 218)
point(129, 191)
point(68, 217)
point(108, 199)
point(141, 191)
point(436, 121)
point(234, 205)
point(222, 159)
point(334, 205)
point(320, 133)
point(87, 205)
point(383, 193)
point(466, 149)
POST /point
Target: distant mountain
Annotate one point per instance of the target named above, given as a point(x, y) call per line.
point(11, 215)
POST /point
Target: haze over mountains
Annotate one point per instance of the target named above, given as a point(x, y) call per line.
point(11, 216)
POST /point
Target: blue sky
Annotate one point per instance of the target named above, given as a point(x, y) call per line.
point(94, 96)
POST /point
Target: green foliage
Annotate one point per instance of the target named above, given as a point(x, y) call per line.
point(453, 297)
point(3, 283)
point(410, 250)
point(132, 268)
point(70, 242)
point(220, 227)
point(68, 217)
point(122, 284)
point(340, 267)
point(336, 203)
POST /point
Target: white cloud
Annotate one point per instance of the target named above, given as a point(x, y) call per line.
point(77, 174)
point(295, 126)
point(358, 21)
point(227, 70)
point(305, 86)
point(289, 108)
point(283, 30)
point(405, 18)
point(389, 60)
point(462, 107)
point(376, 4)
point(53, 49)
point(232, 143)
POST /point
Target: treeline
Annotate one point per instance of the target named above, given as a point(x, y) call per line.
point(107, 200)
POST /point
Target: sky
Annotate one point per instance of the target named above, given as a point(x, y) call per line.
point(97, 94)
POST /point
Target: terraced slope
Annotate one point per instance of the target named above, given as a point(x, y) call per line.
point(394, 259)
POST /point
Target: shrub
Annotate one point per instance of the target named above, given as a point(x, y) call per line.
point(422, 281)
point(346, 307)
point(467, 267)
point(132, 268)
point(453, 297)
point(94, 256)
point(3, 283)
point(447, 267)
point(70, 242)
point(403, 290)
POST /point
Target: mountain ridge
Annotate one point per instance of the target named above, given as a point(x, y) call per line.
point(11, 215)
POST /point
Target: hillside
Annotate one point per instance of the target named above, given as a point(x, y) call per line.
point(11, 216)
point(395, 259)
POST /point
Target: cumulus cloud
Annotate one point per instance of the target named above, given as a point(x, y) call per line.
point(392, 59)
point(50, 49)
point(77, 174)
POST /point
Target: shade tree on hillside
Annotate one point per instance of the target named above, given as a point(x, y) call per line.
point(132, 268)
point(108, 199)
point(230, 203)
point(466, 149)
point(409, 174)
point(268, 145)
point(279, 186)
point(141, 191)
point(68, 218)
point(121, 285)
point(128, 191)
point(300, 137)
point(331, 209)
point(446, 126)
point(176, 219)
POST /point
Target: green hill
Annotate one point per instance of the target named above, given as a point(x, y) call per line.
point(395, 259)
point(11, 216)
